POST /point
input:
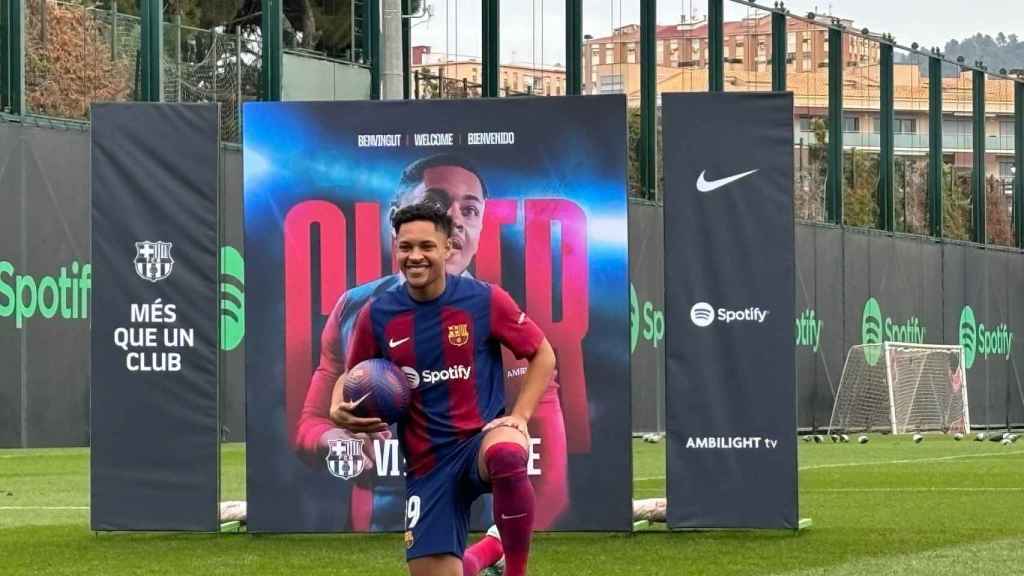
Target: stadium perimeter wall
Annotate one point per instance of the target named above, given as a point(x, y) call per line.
point(911, 288)
point(921, 287)
point(44, 258)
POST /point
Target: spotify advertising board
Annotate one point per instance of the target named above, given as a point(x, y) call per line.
point(983, 296)
point(154, 428)
point(729, 309)
point(646, 316)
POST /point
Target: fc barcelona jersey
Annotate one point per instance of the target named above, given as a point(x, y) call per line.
point(450, 349)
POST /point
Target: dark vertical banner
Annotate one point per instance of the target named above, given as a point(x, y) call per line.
point(646, 316)
point(729, 296)
point(828, 323)
point(974, 312)
point(232, 299)
point(154, 427)
point(1015, 303)
point(806, 324)
point(13, 258)
point(537, 187)
point(44, 248)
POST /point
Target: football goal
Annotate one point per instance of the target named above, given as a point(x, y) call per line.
point(901, 387)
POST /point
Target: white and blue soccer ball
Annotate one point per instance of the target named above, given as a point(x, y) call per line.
point(917, 438)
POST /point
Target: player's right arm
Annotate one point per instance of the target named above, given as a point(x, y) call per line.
point(362, 346)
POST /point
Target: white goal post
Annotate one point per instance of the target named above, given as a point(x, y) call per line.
point(902, 387)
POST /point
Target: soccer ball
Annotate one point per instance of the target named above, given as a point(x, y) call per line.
point(381, 389)
point(844, 438)
point(918, 438)
point(979, 437)
point(958, 436)
point(818, 438)
point(1006, 441)
point(862, 439)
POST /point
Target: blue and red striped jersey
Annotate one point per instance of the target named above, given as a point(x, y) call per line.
point(450, 348)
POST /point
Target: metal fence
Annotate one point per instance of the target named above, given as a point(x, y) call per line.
point(77, 54)
point(209, 66)
point(428, 86)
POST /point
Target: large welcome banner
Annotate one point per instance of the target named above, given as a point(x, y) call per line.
point(729, 268)
point(538, 189)
point(154, 427)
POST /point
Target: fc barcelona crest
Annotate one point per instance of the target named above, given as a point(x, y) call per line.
point(345, 458)
point(458, 334)
point(153, 260)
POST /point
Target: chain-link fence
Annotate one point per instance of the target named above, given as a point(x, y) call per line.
point(208, 66)
point(427, 86)
point(76, 55)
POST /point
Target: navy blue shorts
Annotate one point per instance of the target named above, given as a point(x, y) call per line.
point(437, 504)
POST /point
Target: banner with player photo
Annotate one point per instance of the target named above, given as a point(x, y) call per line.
point(537, 188)
point(155, 438)
point(729, 299)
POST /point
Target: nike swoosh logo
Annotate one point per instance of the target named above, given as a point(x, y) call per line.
point(513, 517)
point(707, 186)
point(397, 343)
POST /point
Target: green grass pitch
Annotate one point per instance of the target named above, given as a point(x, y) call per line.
point(886, 507)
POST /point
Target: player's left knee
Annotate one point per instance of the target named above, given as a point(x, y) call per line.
point(506, 460)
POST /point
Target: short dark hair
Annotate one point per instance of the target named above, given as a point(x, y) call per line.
point(412, 176)
point(425, 212)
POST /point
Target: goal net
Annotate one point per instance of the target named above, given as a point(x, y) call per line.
point(902, 388)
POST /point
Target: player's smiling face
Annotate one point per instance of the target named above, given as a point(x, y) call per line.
point(459, 191)
point(422, 250)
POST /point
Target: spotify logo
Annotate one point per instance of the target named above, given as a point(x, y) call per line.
point(702, 314)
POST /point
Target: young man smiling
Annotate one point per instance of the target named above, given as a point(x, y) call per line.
point(452, 183)
point(457, 441)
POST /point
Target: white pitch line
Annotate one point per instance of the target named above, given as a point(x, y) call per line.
point(910, 460)
point(879, 463)
point(44, 507)
point(34, 454)
point(924, 489)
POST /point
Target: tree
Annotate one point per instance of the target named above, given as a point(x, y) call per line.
point(1003, 51)
point(910, 189)
point(810, 174)
point(997, 213)
point(956, 202)
point(321, 25)
point(860, 191)
point(635, 185)
point(68, 61)
point(634, 182)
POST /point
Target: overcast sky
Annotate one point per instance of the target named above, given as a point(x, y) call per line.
point(531, 31)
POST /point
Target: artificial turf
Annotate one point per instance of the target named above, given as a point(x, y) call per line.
point(886, 507)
